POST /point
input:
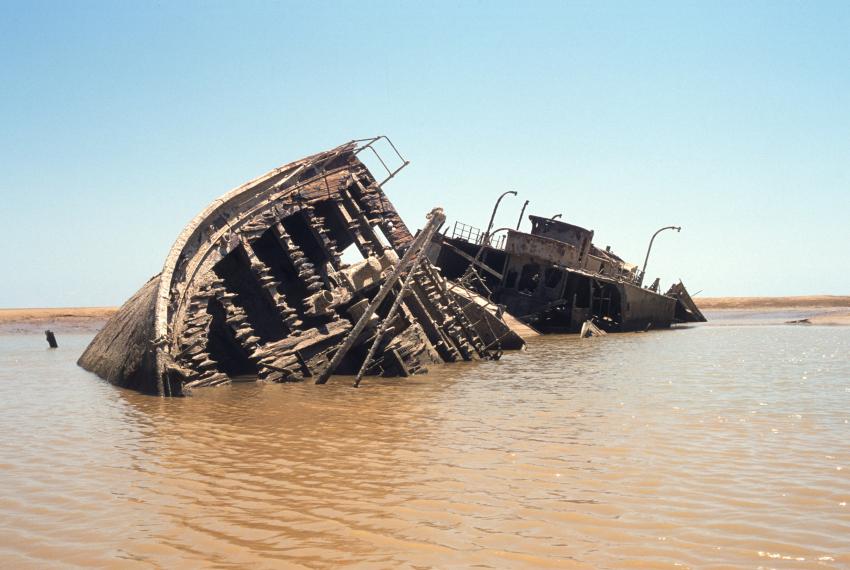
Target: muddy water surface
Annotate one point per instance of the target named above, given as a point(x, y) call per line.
point(707, 447)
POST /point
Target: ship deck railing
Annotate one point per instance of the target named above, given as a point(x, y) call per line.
point(473, 235)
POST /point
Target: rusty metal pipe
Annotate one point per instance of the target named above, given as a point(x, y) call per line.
point(319, 303)
point(481, 249)
point(648, 249)
point(520, 214)
point(493, 216)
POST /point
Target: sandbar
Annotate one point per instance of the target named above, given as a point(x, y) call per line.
point(815, 309)
point(59, 319)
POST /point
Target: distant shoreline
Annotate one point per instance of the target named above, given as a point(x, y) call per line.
point(750, 303)
point(25, 315)
point(825, 309)
point(60, 320)
point(815, 309)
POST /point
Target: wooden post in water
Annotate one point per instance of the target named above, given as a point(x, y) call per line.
point(51, 339)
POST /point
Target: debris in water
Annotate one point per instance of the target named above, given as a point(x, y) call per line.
point(588, 330)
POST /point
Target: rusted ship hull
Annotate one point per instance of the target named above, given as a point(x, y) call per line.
point(256, 285)
point(555, 280)
point(614, 307)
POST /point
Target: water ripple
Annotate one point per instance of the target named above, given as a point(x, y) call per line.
point(709, 447)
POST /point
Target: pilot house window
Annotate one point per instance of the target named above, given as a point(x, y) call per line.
point(529, 278)
point(553, 277)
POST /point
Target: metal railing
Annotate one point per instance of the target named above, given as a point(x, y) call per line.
point(475, 236)
point(364, 144)
point(466, 233)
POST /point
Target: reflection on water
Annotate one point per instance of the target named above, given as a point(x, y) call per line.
point(707, 447)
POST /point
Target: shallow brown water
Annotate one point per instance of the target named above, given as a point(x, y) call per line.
point(707, 447)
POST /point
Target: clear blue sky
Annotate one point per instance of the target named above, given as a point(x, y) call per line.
point(121, 121)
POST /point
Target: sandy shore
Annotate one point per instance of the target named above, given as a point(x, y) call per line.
point(58, 319)
point(752, 303)
point(25, 315)
point(817, 309)
point(842, 318)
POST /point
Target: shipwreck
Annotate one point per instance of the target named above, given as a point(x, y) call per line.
point(256, 288)
point(555, 279)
